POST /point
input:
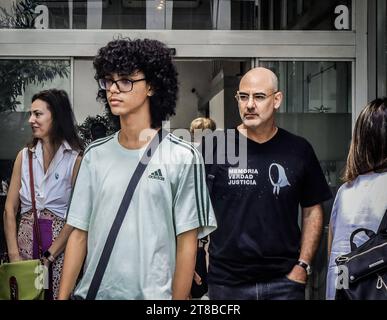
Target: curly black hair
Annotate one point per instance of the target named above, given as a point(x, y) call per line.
point(153, 58)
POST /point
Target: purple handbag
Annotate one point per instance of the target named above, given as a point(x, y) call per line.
point(45, 232)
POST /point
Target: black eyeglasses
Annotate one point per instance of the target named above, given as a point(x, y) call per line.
point(123, 85)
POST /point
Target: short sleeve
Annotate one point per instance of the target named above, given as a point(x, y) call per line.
point(80, 207)
point(314, 188)
point(192, 206)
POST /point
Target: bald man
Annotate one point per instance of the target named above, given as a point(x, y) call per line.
point(258, 250)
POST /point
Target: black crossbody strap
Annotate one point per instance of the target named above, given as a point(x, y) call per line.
point(383, 224)
point(111, 239)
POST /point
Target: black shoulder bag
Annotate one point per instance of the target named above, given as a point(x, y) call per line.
point(111, 239)
point(363, 271)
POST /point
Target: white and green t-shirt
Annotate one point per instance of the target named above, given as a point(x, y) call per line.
point(170, 198)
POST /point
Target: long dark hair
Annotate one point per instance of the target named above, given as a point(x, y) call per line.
point(368, 151)
point(63, 119)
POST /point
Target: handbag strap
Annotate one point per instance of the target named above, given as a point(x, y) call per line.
point(32, 189)
point(368, 232)
point(122, 210)
point(383, 223)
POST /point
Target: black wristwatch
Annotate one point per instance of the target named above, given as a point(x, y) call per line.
point(305, 265)
point(47, 254)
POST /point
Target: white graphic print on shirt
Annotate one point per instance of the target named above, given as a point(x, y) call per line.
point(237, 176)
point(282, 180)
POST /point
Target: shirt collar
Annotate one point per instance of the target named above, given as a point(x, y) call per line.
point(66, 146)
point(38, 148)
point(59, 155)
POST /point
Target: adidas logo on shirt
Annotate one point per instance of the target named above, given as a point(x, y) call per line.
point(156, 175)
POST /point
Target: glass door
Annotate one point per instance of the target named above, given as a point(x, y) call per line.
point(318, 106)
point(21, 79)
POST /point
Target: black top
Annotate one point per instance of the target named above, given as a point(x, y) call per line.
point(256, 207)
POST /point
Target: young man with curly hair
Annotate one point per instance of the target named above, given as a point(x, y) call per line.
point(153, 256)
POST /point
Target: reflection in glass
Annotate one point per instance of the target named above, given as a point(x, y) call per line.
point(178, 14)
point(193, 15)
point(317, 106)
point(315, 87)
point(19, 81)
point(286, 14)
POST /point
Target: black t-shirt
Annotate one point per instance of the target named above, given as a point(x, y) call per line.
point(258, 237)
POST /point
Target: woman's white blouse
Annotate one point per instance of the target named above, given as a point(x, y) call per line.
point(53, 188)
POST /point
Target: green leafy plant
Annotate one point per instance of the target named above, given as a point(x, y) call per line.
point(85, 127)
point(16, 74)
point(21, 16)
